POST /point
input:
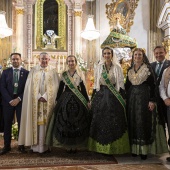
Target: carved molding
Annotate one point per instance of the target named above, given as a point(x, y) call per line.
point(164, 17)
point(20, 11)
point(125, 8)
point(77, 13)
point(166, 44)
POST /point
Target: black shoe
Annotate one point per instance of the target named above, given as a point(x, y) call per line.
point(30, 151)
point(143, 157)
point(5, 150)
point(69, 150)
point(21, 149)
point(168, 159)
point(74, 151)
point(134, 155)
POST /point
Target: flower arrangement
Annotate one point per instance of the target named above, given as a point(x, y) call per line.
point(15, 131)
point(81, 63)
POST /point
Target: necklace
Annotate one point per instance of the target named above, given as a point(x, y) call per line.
point(136, 70)
point(108, 67)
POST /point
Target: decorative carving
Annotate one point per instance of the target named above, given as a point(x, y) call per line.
point(77, 13)
point(125, 9)
point(61, 44)
point(20, 11)
point(166, 44)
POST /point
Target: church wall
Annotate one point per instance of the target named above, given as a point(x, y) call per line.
point(139, 30)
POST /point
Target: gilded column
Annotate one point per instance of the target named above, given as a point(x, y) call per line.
point(77, 32)
point(20, 30)
point(70, 17)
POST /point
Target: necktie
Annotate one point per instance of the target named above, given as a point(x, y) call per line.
point(158, 69)
point(15, 80)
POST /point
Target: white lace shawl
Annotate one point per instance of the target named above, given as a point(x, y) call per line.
point(116, 71)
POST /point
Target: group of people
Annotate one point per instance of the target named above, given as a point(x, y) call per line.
point(56, 111)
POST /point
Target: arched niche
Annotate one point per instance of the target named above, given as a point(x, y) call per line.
point(60, 20)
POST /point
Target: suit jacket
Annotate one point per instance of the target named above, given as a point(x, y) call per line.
point(165, 65)
point(7, 86)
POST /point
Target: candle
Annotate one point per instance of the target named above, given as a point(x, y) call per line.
point(34, 60)
point(63, 63)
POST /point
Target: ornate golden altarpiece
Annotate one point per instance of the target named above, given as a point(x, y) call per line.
point(62, 25)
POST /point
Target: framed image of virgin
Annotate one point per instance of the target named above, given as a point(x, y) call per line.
point(122, 7)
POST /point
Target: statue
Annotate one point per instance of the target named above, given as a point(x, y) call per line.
point(49, 39)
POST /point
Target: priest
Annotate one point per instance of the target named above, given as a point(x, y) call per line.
point(38, 103)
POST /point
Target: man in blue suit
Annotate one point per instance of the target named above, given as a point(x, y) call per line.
point(12, 88)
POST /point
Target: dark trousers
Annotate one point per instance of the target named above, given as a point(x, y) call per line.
point(8, 113)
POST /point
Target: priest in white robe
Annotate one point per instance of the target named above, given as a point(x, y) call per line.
point(38, 103)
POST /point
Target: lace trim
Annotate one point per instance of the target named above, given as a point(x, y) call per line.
point(139, 77)
point(76, 79)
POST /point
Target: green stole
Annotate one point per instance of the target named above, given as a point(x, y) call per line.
point(112, 88)
point(74, 89)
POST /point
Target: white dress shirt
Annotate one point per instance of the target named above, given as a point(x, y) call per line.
point(163, 92)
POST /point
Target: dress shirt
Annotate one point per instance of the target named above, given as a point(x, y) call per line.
point(164, 93)
point(19, 69)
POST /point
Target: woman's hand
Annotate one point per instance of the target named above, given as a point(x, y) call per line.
point(151, 106)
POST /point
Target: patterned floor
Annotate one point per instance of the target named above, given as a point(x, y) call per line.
point(125, 162)
point(104, 167)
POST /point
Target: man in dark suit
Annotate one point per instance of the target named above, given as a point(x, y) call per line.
point(158, 67)
point(12, 88)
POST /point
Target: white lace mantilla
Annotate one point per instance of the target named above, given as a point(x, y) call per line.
point(115, 76)
point(76, 79)
point(139, 77)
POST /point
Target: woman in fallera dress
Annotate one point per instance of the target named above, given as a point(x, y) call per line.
point(69, 124)
point(146, 134)
point(108, 130)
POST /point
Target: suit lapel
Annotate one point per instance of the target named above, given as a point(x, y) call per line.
point(10, 75)
point(154, 66)
point(165, 65)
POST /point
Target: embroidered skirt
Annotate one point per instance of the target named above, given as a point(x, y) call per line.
point(108, 131)
point(69, 124)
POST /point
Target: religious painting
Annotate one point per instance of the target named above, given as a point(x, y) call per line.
point(122, 7)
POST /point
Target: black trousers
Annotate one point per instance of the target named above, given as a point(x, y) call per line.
point(8, 113)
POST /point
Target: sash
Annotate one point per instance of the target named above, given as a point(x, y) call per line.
point(112, 88)
point(74, 89)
